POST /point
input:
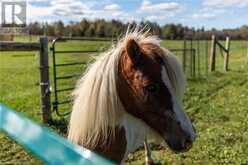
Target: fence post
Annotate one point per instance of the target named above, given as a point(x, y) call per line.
point(198, 57)
point(226, 55)
point(194, 62)
point(206, 57)
point(184, 55)
point(213, 54)
point(44, 81)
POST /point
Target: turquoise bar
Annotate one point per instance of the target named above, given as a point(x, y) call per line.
point(47, 146)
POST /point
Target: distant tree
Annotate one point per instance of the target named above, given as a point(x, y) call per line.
point(49, 29)
point(59, 28)
point(90, 31)
point(169, 31)
point(153, 26)
point(179, 31)
point(35, 28)
point(115, 28)
point(100, 28)
point(84, 26)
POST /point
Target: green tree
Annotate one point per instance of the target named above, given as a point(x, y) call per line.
point(59, 28)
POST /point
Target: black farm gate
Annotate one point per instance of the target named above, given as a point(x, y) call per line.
point(57, 101)
point(190, 55)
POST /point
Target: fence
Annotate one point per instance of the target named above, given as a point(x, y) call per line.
point(44, 144)
point(193, 55)
point(226, 49)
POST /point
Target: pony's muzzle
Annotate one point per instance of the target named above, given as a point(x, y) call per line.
point(181, 142)
point(187, 143)
point(181, 145)
point(188, 140)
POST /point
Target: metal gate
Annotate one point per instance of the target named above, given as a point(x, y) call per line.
point(57, 102)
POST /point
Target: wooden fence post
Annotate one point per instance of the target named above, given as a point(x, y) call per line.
point(44, 81)
point(213, 54)
point(226, 55)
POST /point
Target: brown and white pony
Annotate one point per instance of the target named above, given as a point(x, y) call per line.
point(131, 92)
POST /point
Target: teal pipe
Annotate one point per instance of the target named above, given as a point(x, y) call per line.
point(46, 145)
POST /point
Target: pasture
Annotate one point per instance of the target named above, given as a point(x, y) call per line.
point(217, 103)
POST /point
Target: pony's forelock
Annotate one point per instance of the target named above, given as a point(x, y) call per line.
point(97, 110)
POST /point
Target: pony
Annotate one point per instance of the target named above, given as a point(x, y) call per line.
point(130, 93)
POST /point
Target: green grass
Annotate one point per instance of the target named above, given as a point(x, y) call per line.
point(217, 103)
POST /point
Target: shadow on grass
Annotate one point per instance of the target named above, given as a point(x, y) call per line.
point(59, 125)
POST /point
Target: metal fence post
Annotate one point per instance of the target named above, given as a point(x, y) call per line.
point(206, 57)
point(184, 55)
point(44, 81)
point(226, 55)
point(191, 57)
point(213, 54)
point(198, 57)
point(194, 63)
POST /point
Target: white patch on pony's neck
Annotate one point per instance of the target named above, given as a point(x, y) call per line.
point(135, 131)
point(177, 106)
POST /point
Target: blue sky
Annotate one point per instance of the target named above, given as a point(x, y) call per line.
point(194, 13)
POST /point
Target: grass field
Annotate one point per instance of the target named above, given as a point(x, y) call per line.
point(217, 103)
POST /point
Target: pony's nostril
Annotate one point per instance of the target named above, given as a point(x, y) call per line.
point(187, 143)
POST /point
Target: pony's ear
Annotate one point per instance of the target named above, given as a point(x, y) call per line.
point(133, 50)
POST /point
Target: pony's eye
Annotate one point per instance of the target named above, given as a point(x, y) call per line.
point(152, 88)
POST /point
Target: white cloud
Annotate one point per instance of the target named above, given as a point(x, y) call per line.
point(225, 3)
point(213, 9)
point(208, 13)
point(147, 6)
point(57, 9)
point(35, 13)
point(75, 10)
point(159, 11)
point(204, 15)
point(121, 15)
point(69, 8)
point(160, 16)
point(112, 7)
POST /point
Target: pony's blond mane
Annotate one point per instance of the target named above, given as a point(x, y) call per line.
point(97, 109)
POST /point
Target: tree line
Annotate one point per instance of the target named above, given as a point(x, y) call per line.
point(114, 28)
